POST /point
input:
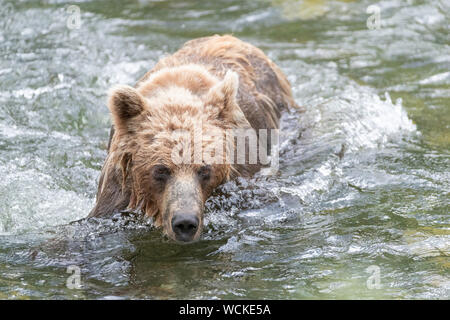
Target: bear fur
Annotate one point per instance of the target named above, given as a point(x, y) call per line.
point(212, 83)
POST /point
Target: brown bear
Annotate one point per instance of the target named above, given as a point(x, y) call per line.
point(208, 87)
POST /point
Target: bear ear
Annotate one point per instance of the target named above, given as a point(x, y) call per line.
point(223, 96)
point(124, 102)
point(224, 93)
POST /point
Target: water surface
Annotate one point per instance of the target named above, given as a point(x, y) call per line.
point(363, 186)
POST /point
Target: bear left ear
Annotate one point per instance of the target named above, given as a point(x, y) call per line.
point(223, 96)
point(125, 103)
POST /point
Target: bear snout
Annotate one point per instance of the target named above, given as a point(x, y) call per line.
point(185, 226)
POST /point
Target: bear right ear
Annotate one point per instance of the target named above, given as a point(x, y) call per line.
point(124, 102)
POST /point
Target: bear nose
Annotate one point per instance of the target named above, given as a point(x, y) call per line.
point(185, 226)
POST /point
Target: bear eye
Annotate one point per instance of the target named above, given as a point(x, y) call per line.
point(161, 173)
point(204, 173)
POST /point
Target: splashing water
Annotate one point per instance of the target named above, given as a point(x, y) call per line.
point(363, 182)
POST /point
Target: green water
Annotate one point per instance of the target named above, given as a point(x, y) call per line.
point(358, 209)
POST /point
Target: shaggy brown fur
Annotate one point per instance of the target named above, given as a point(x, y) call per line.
point(211, 84)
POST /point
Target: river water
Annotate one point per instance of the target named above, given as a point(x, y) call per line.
point(358, 209)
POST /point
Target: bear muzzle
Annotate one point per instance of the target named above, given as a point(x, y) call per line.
point(185, 226)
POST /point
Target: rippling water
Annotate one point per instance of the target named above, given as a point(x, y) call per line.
point(363, 186)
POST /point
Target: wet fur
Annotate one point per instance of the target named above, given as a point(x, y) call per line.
point(176, 90)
